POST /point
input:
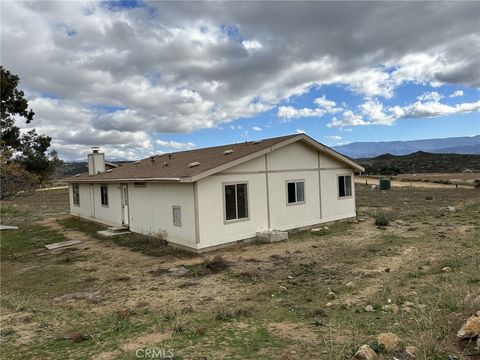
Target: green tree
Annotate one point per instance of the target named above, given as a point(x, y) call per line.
point(28, 149)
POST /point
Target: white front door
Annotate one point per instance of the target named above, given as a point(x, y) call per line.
point(125, 217)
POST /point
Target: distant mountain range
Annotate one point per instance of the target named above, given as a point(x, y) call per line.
point(453, 145)
point(420, 162)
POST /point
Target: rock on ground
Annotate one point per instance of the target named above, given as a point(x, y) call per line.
point(473, 299)
point(365, 352)
point(471, 327)
point(411, 351)
point(390, 341)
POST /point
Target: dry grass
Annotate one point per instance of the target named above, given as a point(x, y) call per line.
point(257, 302)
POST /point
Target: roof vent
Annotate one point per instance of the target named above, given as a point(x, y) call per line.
point(226, 152)
point(257, 142)
point(78, 174)
point(165, 164)
point(152, 159)
point(109, 170)
point(170, 156)
point(193, 164)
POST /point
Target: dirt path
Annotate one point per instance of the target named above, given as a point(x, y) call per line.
point(420, 184)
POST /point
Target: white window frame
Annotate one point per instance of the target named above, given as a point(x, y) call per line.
point(76, 190)
point(247, 209)
point(179, 208)
point(296, 181)
point(104, 204)
point(351, 186)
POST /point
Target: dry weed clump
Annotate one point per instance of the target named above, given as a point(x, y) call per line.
point(217, 264)
point(382, 219)
point(225, 312)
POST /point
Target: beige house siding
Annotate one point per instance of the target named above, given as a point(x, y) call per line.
point(151, 211)
point(214, 230)
point(334, 208)
point(203, 223)
point(296, 161)
point(91, 207)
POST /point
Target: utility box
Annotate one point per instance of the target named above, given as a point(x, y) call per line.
point(271, 236)
point(385, 184)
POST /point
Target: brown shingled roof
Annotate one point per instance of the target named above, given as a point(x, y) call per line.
point(175, 166)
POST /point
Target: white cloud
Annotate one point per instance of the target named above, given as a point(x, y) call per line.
point(252, 45)
point(289, 112)
point(457, 93)
point(430, 96)
point(373, 113)
point(170, 144)
point(300, 131)
point(256, 128)
point(433, 109)
point(183, 66)
point(324, 103)
point(334, 137)
point(325, 106)
point(348, 119)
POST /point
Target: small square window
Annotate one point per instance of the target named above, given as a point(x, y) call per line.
point(296, 192)
point(236, 201)
point(344, 186)
point(177, 216)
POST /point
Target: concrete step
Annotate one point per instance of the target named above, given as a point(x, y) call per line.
point(109, 233)
point(117, 229)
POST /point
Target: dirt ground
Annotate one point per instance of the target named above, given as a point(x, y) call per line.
point(100, 300)
point(468, 177)
point(415, 182)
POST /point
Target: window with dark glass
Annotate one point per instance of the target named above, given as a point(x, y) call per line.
point(76, 195)
point(295, 192)
point(104, 194)
point(344, 186)
point(236, 201)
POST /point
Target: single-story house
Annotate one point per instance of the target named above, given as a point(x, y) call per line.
point(209, 197)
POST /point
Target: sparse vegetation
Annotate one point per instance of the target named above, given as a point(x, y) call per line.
point(209, 266)
point(382, 219)
point(259, 301)
point(420, 162)
point(477, 183)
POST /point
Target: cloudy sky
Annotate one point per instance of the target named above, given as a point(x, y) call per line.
point(139, 78)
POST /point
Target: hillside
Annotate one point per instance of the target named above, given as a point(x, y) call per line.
point(458, 145)
point(420, 162)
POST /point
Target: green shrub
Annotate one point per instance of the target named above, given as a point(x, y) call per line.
point(376, 346)
point(382, 220)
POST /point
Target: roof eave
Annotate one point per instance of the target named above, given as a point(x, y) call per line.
point(120, 180)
